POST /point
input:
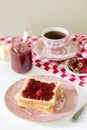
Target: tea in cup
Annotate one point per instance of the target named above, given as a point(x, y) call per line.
point(55, 37)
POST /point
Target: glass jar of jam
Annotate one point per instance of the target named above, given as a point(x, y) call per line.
point(21, 55)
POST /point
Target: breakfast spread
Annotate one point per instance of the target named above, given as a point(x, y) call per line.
point(39, 95)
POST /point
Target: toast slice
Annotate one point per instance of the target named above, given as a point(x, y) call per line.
point(39, 95)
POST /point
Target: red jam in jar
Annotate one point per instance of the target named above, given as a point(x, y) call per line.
point(21, 56)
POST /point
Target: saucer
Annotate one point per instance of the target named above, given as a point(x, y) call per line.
point(70, 50)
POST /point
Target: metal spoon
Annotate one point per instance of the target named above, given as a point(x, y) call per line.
point(79, 113)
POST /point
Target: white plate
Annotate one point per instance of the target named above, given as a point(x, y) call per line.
point(70, 50)
point(71, 72)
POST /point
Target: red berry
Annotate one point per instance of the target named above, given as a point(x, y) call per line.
point(81, 63)
point(83, 70)
point(71, 66)
point(73, 60)
point(39, 93)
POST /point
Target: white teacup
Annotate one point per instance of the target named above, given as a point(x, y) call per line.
point(55, 37)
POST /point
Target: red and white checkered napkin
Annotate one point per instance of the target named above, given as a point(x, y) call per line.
point(5, 40)
point(81, 39)
point(54, 67)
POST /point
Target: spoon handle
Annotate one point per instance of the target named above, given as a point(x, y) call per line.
point(79, 113)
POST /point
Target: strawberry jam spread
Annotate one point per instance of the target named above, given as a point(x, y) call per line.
point(38, 90)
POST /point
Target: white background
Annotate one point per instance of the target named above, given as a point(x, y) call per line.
point(17, 15)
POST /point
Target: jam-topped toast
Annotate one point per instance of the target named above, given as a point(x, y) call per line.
point(39, 95)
